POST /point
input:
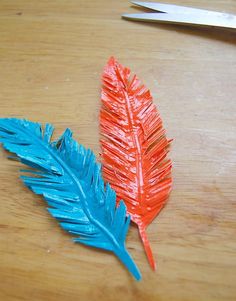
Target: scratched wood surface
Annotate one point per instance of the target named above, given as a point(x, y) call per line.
point(51, 57)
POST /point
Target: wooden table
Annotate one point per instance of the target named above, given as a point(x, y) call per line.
point(51, 57)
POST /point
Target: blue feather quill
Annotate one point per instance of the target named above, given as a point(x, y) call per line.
point(70, 180)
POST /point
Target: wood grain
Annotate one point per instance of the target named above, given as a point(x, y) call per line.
point(51, 58)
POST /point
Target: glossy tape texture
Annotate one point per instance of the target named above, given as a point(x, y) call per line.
point(134, 147)
point(70, 180)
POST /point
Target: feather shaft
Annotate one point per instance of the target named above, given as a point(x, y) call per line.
point(147, 247)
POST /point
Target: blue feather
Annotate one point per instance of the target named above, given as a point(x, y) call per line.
point(70, 180)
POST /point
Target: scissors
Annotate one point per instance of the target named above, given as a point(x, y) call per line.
point(168, 13)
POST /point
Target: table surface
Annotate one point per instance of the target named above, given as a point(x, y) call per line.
point(52, 55)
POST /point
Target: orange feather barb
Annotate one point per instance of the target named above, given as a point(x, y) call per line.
point(134, 148)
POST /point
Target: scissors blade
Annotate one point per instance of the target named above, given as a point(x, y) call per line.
point(174, 9)
point(219, 20)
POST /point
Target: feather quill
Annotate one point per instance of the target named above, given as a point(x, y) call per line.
point(68, 177)
point(134, 147)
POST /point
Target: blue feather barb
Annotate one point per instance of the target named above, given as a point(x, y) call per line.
point(70, 180)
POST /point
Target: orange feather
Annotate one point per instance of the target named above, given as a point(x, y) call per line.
point(134, 147)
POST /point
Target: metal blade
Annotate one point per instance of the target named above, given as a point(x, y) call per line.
point(219, 20)
point(174, 9)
